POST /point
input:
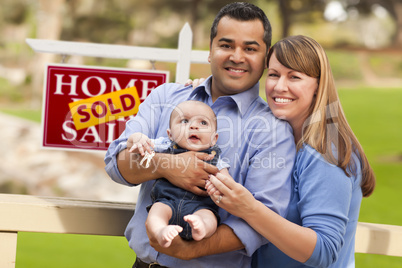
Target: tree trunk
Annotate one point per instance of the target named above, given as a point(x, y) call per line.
point(196, 27)
point(285, 15)
point(398, 14)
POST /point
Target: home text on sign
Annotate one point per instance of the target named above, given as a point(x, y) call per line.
point(101, 101)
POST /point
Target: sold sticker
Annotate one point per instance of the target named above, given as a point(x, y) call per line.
point(104, 108)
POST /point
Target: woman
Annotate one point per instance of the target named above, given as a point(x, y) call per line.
point(331, 172)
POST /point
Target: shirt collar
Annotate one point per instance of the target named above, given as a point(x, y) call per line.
point(243, 100)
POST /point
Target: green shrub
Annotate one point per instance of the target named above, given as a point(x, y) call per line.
point(345, 65)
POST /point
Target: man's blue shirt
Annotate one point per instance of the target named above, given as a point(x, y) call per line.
point(258, 147)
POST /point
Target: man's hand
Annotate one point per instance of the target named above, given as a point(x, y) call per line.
point(178, 249)
point(188, 171)
point(222, 241)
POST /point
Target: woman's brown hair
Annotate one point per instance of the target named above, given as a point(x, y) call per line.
point(326, 129)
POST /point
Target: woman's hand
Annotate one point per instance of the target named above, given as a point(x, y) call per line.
point(236, 199)
point(195, 82)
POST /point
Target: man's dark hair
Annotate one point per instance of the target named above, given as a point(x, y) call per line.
point(243, 12)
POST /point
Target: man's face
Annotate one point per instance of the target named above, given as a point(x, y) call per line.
point(237, 56)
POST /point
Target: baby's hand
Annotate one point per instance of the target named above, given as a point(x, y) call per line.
point(139, 143)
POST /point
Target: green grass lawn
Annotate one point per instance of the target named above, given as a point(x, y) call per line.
point(33, 115)
point(376, 118)
point(72, 251)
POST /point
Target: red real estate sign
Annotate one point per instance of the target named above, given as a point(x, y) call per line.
point(86, 108)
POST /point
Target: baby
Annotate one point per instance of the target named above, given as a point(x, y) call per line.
point(174, 211)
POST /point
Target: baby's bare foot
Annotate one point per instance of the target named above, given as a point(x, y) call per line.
point(198, 229)
point(167, 234)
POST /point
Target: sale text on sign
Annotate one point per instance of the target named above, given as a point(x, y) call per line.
point(86, 107)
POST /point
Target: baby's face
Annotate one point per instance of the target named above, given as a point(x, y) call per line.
point(193, 127)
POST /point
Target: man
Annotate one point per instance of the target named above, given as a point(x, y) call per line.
point(258, 147)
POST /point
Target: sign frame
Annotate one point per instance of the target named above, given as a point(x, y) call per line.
point(163, 75)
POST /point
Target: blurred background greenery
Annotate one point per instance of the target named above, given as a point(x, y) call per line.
point(363, 40)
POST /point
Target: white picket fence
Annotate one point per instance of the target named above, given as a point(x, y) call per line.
point(25, 213)
point(183, 56)
point(19, 213)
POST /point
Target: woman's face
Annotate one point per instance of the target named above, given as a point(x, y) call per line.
point(289, 93)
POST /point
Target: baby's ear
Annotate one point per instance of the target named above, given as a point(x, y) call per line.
point(169, 133)
point(215, 139)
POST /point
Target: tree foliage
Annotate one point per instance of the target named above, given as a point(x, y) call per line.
point(393, 7)
point(13, 11)
point(115, 21)
point(294, 11)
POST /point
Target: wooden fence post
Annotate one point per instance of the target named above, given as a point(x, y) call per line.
point(184, 49)
point(8, 248)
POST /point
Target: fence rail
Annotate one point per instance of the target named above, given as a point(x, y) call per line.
point(183, 56)
point(25, 213)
